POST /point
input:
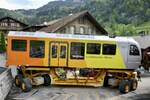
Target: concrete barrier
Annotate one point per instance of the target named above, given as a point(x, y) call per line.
point(6, 81)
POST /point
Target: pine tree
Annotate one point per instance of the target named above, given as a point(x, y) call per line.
point(2, 43)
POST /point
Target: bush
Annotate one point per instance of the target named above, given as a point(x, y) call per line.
point(2, 43)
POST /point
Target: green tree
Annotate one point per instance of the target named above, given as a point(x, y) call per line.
point(2, 43)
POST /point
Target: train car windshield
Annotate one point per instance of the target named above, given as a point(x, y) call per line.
point(134, 50)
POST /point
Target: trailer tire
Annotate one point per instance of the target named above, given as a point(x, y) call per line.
point(133, 84)
point(18, 80)
point(26, 85)
point(47, 80)
point(124, 86)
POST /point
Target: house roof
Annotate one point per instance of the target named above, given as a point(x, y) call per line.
point(57, 24)
point(144, 41)
point(37, 27)
point(13, 19)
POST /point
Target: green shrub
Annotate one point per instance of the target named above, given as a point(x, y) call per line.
point(2, 43)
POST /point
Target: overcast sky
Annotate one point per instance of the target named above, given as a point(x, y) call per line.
point(22, 4)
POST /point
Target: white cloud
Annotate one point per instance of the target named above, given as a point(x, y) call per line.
point(32, 4)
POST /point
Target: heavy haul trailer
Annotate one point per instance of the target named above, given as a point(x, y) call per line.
point(66, 59)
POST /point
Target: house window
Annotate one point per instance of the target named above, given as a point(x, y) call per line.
point(72, 29)
point(4, 24)
point(77, 50)
point(93, 48)
point(109, 49)
point(37, 49)
point(18, 25)
point(82, 30)
point(134, 50)
point(12, 24)
point(19, 45)
point(90, 30)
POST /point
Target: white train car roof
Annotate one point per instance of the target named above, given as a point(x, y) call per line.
point(69, 36)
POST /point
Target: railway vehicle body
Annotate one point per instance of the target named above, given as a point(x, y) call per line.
point(67, 59)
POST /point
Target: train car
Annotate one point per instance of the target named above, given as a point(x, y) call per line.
point(67, 59)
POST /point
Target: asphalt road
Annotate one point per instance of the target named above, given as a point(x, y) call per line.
point(82, 93)
point(142, 92)
point(65, 93)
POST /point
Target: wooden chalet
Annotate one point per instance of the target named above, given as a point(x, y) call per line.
point(11, 24)
point(79, 23)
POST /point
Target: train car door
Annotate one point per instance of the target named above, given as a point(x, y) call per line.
point(58, 54)
point(63, 54)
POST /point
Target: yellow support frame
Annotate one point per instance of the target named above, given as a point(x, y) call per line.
point(95, 81)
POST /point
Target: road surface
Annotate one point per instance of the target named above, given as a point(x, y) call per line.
point(81, 93)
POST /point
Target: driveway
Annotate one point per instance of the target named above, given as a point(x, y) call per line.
point(80, 93)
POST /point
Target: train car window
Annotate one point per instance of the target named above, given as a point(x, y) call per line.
point(77, 50)
point(54, 51)
point(37, 49)
point(134, 50)
point(19, 45)
point(109, 49)
point(93, 48)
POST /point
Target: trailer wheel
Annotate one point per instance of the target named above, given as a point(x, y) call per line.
point(47, 79)
point(18, 80)
point(26, 85)
point(133, 84)
point(124, 86)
